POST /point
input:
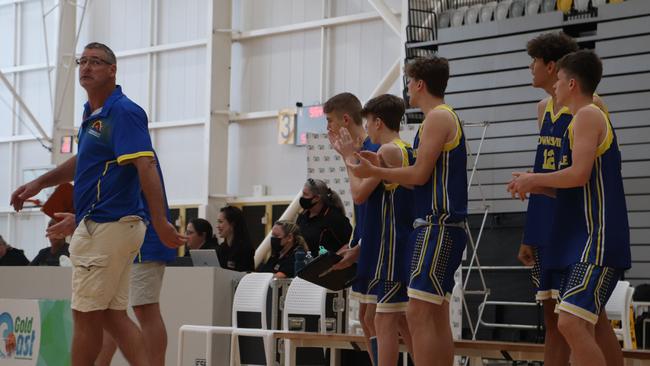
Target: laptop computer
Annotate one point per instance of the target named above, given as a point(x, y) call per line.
point(204, 258)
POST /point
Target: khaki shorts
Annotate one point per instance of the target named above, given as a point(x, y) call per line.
point(146, 282)
point(101, 255)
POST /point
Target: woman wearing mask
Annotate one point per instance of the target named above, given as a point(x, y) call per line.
point(323, 221)
point(199, 236)
point(285, 239)
point(236, 252)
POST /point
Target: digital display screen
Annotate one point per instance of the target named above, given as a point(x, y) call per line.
point(310, 119)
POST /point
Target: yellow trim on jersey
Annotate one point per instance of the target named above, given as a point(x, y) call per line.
point(403, 146)
point(425, 244)
point(578, 311)
point(448, 146)
point(599, 285)
point(434, 261)
point(554, 116)
point(428, 297)
point(600, 192)
point(125, 157)
point(609, 135)
point(582, 286)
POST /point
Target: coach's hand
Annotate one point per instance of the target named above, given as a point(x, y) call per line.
point(168, 235)
point(23, 193)
point(526, 255)
point(65, 226)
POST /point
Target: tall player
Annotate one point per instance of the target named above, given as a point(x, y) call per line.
point(440, 179)
point(590, 226)
point(343, 113)
point(553, 119)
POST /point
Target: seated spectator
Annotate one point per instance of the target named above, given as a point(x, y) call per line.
point(236, 252)
point(199, 236)
point(285, 239)
point(50, 256)
point(10, 256)
point(323, 221)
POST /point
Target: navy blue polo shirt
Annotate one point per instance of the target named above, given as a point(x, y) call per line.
point(105, 187)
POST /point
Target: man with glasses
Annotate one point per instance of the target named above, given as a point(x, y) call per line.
point(115, 164)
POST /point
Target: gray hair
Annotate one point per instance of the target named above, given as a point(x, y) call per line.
point(110, 56)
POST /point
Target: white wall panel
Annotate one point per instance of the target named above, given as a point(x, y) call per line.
point(5, 175)
point(266, 14)
point(30, 154)
point(254, 157)
point(121, 24)
point(361, 54)
point(32, 44)
point(6, 101)
point(4, 226)
point(279, 71)
point(7, 26)
point(33, 88)
point(132, 75)
point(180, 151)
point(181, 89)
point(182, 20)
point(348, 7)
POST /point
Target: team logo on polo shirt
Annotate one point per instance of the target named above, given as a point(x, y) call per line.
point(96, 128)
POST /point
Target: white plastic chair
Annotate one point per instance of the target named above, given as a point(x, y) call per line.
point(618, 308)
point(250, 296)
point(303, 298)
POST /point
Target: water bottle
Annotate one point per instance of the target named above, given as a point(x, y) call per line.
point(299, 259)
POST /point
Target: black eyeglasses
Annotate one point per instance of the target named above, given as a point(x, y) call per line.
point(92, 61)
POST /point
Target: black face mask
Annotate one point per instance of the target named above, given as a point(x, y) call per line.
point(276, 244)
point(307, 203)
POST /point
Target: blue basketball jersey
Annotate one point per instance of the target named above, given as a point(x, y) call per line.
point(591, 221)
point(443, 198)
point(539, 216)
point(396, 225)
point(360, 210)
point(369, 217)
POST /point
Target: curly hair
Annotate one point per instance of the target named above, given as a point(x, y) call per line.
point(434, 71)
point(551, 46)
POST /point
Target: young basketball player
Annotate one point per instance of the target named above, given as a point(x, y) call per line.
point(553, 119)
point(590, 224)
point(383, 116)
point(343, 113)
point(440, 179)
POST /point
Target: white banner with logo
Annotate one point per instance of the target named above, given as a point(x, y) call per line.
point(20, 328)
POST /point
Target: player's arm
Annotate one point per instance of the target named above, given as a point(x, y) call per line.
point(439, 125)
point(391, 157)
point(362, 188)
point(588, 128)
point(153, 193)
point(61, 174)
